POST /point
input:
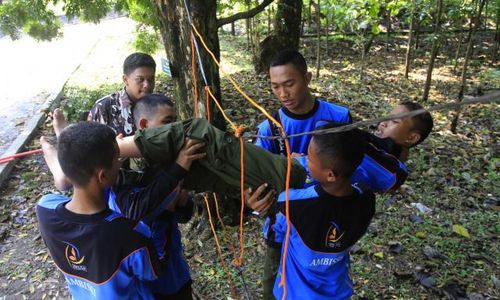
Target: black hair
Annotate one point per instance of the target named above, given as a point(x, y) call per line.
point(137, 60)
point(343, 151)
point(147, 106)
point(290, 57)
point(84, 147)
point(422, 123)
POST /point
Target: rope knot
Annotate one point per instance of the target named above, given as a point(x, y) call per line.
point(238, 132)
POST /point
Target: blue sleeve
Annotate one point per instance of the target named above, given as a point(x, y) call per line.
point(264, 130)
point(141, 266)
point(148, 202)
point(51, 201)
point(280, 228)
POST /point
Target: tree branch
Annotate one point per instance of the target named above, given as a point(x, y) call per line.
point(244, 15)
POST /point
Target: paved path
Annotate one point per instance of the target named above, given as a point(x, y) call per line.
point(31, 70)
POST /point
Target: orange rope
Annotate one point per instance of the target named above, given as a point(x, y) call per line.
point(226, 233)
point(233, 292)
point(287, 213)
point(193, 70)
point(235, 128)
point(278, 124)
point(207, 102)
point(238, 262)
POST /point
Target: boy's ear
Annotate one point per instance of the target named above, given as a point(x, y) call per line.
point(413, 138)
point(331, 176)
point(308, 77)
point(101, 176)
point(143, 123)
point(125, 79)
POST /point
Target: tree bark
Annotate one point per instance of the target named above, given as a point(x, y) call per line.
point(309, 15)
point(459, 47)
point(269, 22)
point(388, 30)
point(327, 29)
point(468, 54)
point(286, 33)
point(364, 54)
point(250, 13)
point(494, 51)
point(435, 49)
point(410, 40)
point(417, 34)
point(176, 35)
point(318, 46)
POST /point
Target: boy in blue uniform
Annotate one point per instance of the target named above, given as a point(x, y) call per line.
point(326, 219)
point(150, 112)
point(154, 203)
point(382, 170)
point(101, 254)
point(300, 112)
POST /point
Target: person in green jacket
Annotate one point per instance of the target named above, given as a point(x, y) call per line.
point(220, 170)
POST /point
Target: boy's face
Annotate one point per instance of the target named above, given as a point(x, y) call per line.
point(140, 82)
point(290, 86)
point(164, 115)
point(314, 163)
point(399, 130)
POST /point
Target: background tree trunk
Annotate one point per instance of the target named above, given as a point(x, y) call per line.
point(176, 34)
point(388, 36)
point(494, 51)
point(468, 55)
point(417, 34)
point(459, 47)
point(410, 40)
point(364, 53)
point(318, 46)
point(286, 33)
point(309, 15)
point(327, 29)
point(435, 49)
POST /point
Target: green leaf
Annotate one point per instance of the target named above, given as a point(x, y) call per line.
point(460, 230)
point(421, 235)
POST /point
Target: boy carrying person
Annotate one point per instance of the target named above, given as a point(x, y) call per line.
point(153, 203)
point(300, 112)
point(326, 219)
point(381, 169)
point(102, 254)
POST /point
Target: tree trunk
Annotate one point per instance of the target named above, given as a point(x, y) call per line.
point(459, 47)
point(468, 54)
point(364, 54)
point(327, 29)
point(318, 47)
point(176, 35)
point(309, 15)
point(233, 30)
point(268, 21)
point(435, 49)
point(388, 31)
point(494, 51)
point(410, 40)
point(417, 34)
point(286, 33)
point(248, 25)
